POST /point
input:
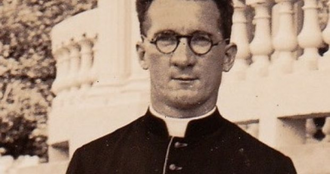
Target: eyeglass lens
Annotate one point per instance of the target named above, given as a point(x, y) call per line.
point(199, 44)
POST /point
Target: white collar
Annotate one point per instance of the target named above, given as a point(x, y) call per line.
point(177, 126)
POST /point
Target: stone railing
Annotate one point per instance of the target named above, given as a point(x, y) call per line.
point(317, 129)
point(279, 36)
point(288, 64)
point(74, 50)
point(278, 89)
point(74, 46)
point(97, 73)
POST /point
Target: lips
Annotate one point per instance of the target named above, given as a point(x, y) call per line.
point(184, 78)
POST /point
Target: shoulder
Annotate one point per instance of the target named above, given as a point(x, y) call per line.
point(99, 152)
point(103, 143)
point(255, 153)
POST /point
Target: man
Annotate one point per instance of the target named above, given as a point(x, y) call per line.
point(185, 47)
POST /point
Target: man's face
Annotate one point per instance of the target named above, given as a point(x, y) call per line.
point(183, 79)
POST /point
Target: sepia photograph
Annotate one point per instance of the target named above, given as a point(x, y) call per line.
point(164, 86)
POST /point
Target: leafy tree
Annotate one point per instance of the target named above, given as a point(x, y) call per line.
point(27, 70)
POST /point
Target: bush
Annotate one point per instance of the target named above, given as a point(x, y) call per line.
point(27, 70)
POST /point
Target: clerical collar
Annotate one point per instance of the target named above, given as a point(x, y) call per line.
point(177, 126)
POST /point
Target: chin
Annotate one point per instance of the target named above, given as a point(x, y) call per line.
point(186, 99)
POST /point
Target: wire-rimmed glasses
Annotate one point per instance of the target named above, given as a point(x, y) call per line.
point(199, 43)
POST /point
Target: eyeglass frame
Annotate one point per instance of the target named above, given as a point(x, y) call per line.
point(189, 38)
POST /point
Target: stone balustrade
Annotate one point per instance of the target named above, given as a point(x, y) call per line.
point(74, 50)
point(278, 89)
point(273, 49)
point(282, 49)
point(285, 48)
point(74, 46)
point(317, 129)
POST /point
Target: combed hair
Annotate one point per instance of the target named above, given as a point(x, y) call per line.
point(225, 8)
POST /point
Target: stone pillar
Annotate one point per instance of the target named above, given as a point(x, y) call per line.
point(66, 67)
point(285, 40)
point(112, 60)
point(85, 71)
point(58, 82)
point(310, 37)
point(60, 86)
point(72, 80)
point(239, 36)
point(86, 62)
point(261, 45)
point(138, 80)
point(324, 63)
point(60, 69)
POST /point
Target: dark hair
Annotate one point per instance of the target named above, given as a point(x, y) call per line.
point(225, 8)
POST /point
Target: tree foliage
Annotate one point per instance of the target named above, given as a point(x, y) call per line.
point(27, 70)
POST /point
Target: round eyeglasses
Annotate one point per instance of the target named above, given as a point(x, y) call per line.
point(199, 43)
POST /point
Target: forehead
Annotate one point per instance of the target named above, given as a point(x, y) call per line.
point(183, 16)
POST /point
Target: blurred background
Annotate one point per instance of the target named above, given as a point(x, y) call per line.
point(27, 70)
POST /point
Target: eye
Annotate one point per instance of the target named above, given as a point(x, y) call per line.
point(201, 40)
point(166, 40)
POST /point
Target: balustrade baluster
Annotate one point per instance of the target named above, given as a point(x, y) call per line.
point(86, 53)
point(310, 131)
point(93, 77)
point(326, 130)
point(285, 40)
point(261, 45)
point(57, 86)
point(324, 62)
point(61, 87)
point(66, 67)
point(310, 37)
point(86, 62)
point(239, 36)
point(74, 64)
point(72, 80)
point(58, 55)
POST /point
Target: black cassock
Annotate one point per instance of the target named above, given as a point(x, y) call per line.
point(212, 145)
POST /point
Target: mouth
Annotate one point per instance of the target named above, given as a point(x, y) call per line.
point(184, 78)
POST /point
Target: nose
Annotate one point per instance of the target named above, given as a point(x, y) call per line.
point(183, 56)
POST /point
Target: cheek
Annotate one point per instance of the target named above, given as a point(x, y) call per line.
point(212, 70)
point(155, 63)
point(159, 67)
point(212, 65)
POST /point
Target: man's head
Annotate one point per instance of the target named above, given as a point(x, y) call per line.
point(185, 49)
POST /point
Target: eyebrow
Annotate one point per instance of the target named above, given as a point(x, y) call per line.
point(163, 32)
point(173, 32)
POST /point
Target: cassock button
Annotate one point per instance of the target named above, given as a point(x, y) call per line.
point(179, 145)
point(174, 167)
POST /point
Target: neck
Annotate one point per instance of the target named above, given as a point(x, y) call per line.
point(184, 111)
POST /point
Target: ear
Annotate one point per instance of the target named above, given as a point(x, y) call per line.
point(140, 49)
point(229, 58)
